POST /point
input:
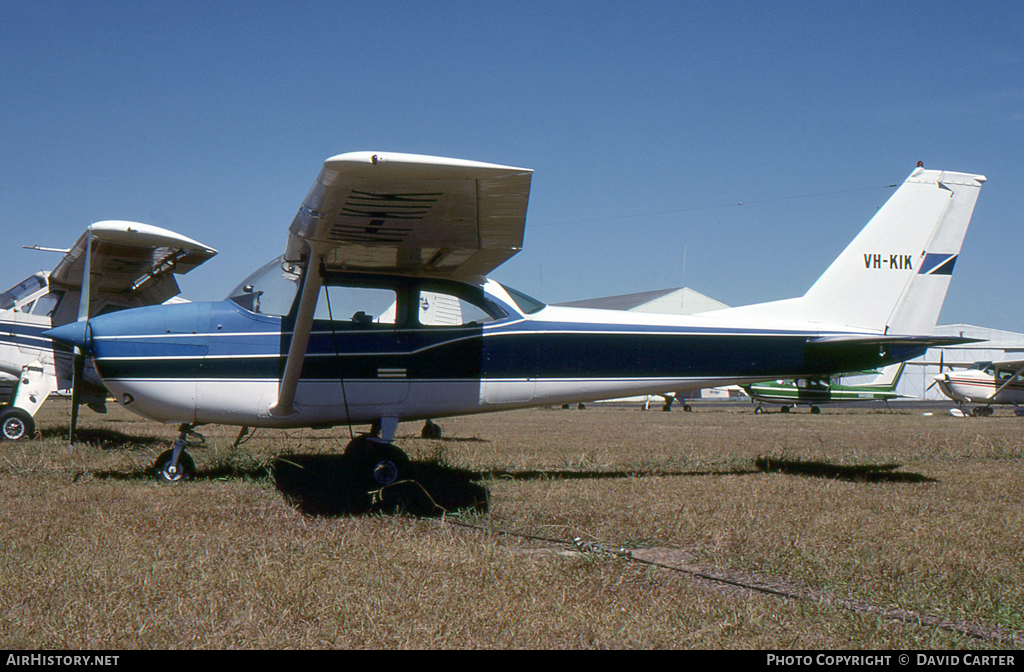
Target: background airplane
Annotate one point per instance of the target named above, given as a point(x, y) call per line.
point(814, 392)
point(131, 265)
point(988, 383)
point(299, 342)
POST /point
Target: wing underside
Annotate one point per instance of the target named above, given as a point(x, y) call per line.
point(412, 214)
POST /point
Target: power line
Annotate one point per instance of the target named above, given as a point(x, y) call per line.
point(711, 207)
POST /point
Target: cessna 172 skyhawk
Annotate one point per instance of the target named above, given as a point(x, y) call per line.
point(999, 382)
point(131, 265)
point(299, 343)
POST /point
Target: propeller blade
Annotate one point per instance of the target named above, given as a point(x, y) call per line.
point(77, 371)
point(78, 358)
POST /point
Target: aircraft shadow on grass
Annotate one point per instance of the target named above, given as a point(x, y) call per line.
point(107, 439)
point(332, 485)
point(329, 485)
point(865, 473)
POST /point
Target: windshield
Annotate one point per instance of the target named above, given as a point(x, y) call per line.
point(28, 286)
point(270, 290)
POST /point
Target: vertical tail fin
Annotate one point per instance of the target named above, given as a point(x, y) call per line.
point(892, 278)
point(888, 378)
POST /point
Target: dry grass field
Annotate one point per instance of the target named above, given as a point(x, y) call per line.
point(857, 528)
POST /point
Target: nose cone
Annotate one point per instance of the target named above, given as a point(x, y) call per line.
point(76, 334)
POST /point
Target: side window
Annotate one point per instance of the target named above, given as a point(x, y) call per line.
point(47, 304)
point(440, 309)
point(357, 305)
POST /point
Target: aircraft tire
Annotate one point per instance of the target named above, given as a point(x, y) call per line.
point(16, 424)
point(431, 430)
point(376, 464)
point(185, 471)
point(815, 410)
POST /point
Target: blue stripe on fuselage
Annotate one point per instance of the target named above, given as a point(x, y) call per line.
point(223, 341)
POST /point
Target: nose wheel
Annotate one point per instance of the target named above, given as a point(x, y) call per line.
point(170, 471)
point(176, 465)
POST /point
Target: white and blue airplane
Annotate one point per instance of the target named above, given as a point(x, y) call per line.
point(302, 343)
point(131, 265)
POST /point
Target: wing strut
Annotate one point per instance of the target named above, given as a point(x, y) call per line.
point(1008, 381)
point(311, 282)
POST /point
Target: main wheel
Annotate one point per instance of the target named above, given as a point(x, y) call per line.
point(376, 464)
point(16, 424)
point(185, 469)
point(431, 430)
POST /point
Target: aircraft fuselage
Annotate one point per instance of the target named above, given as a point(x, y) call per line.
point(222, 363)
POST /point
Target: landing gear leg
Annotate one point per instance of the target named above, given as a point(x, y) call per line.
point(176, 465)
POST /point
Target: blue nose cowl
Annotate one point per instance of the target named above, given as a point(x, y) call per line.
point(76, 333)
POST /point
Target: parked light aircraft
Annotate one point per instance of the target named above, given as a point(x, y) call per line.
point(296, 344)
point(988, 383)
point(814, 392)
point(132, 265)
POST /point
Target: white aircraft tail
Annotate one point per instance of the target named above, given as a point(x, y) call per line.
point(893, 277)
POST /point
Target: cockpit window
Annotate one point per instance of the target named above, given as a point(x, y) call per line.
point(270, 290)
point(527, 304)
point(26, 287)
point(362, 306)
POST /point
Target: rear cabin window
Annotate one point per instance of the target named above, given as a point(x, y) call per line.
point(439, 309)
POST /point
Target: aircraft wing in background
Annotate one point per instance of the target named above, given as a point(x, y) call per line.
point(133, 264)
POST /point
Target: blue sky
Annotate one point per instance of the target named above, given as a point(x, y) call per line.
point(646, 124)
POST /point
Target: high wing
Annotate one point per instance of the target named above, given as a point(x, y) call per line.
point(132, 264)
point(400, 213)
point(412, 214)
